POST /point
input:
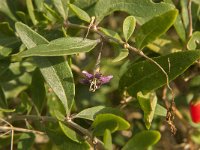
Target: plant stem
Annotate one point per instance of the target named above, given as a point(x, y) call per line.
point(131, 48)
point(5, 128)
point(68, 122)
point(190, 19)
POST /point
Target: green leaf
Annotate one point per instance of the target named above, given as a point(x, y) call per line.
point(122, 54)
point(71, 134)
point(26, 141)
point(4, 64)
point(7, 110)
point(38, 93)
point(148, 104)
point(184, 13)
point(61, 6)
point(80, 13)
point(109, 121)
point(61, 47)
point(55, 70)
point(143, 10)
point(146, 76)
point(160, 110)
point(165, 46)
point(107, 140)
point(89, 113)
point(194, 41)
point(111, 33)
point(178, 24)
point(3, 101)
point(84, 3)
point(129, 27)
point(59, 115)
point(63, 142)
point(142, 140)
point(15, 86)
point(30, 8)
point(50, 14)
point(4, 8)
point(100, 128)
point(155, 27)
point(39, 4)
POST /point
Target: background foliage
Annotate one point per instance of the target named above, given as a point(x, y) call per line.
point(148, 48)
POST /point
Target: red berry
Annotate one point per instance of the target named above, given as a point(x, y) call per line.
point(195, 111)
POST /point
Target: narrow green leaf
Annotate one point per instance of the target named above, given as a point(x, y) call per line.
point(146, 76)
point(61, 47)
point(107, 140)
point(26, 141)
point(194, 41)
point(50, 14)
point(61, 6)
point(142, 140)
point(178, 24)
point(55, 70)
point(89, 113)
point(148, 104)
point(71, 134)
point(111, 33)
point(80, 13)
point(160, 111)
point(184, 13)
point(4, 8)
point(129, 27)
point(102, 121)
point(143, 10)
point(155, 27)
point(30, 8)
point(38, 93)
point(39, 4)
point(3, 101)
point(122, 54)
point(7, 110)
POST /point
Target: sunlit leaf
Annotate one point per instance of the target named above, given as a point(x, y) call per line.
point(129, 27)
point(145, 76)
point(142, 14)
point(61, 47)
point(107, 139)
point(142, 140)
point(55, 70)
point(148, 104)
point(80, 13)
point(194, 41)
point(155, 27)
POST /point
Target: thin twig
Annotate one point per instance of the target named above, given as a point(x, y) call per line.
point(68, 122)
point(122, 43)
point(5, 128)
point(4, 133)
point(190, 29)
point(12, 139)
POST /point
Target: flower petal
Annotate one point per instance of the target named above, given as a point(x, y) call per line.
point(105, 79)
point(87, 75)
point(84, 81)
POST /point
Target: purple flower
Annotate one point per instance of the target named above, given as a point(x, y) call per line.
point(95, 80)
